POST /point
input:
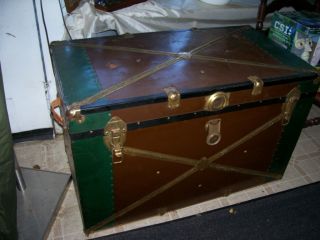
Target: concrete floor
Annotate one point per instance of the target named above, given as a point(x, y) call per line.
point(303, 168)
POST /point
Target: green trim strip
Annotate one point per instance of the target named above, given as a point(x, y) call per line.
point(281, 54)
point(93, 121)
point(77, 77)
point(292, 131)
point(93, 166)
point(309, 87)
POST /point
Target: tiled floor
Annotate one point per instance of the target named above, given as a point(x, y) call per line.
point(304, 168)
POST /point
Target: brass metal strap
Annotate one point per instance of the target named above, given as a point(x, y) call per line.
point(191, 54)
point(249, 63)
point(146, 51)
point(201, 47)
point(180, 178)
point(176, 57)
point(123, 84)
point(136, 78)
point(142, 200)
point(122, 49)
point(246, 138)
point(245, 171)
point(134, 152)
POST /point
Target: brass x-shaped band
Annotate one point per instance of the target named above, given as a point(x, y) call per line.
point(197, 166)
point(201, 164)
point(174, 58)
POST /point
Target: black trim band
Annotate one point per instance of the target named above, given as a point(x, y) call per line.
point(183, 117)
point(109, 105)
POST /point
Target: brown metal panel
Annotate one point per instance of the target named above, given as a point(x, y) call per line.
point(237, 46)
point(115, 66)
point(202, 186)
point(195, 104)
point(136, 177)
point(191, 74)
point(177, 41)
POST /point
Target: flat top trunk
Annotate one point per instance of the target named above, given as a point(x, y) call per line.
point(142, 65)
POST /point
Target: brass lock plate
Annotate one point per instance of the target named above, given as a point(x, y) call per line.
point(115, 135)
point(217, 101)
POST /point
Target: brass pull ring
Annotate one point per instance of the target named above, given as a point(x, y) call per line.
point(217, 101)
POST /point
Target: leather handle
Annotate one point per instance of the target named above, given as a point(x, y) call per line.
point(56, 117)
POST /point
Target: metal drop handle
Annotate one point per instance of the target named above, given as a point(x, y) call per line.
point(213, 128)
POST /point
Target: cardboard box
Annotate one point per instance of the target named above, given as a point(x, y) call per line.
point(298, 32)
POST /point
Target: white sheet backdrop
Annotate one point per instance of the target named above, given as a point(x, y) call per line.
point(159, 15)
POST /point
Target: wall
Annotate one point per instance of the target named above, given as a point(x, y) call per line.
point(29, 84)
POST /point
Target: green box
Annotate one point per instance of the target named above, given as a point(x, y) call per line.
point(298, 32)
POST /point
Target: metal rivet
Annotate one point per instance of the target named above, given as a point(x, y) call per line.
point(245, 151)
point(158, 172)
point(138, 123)
point(232, 211)
point(199, 185)
point(168, 118)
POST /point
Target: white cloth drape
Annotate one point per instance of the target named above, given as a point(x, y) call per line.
point(159, 15)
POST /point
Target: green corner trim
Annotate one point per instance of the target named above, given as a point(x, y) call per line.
point(93, 121)
point(309, 87)
point(76, 76)
point(292, 131)
point(93, 166)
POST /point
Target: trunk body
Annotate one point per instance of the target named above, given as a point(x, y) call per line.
point(158, 121)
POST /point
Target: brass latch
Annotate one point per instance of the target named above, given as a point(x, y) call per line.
point(217, 101)
point(173, 97)
point(257, 85)
point(288, 107)
point(213, 128)
point(115, 135)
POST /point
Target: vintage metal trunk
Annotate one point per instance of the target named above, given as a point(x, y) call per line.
point(158, 121)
